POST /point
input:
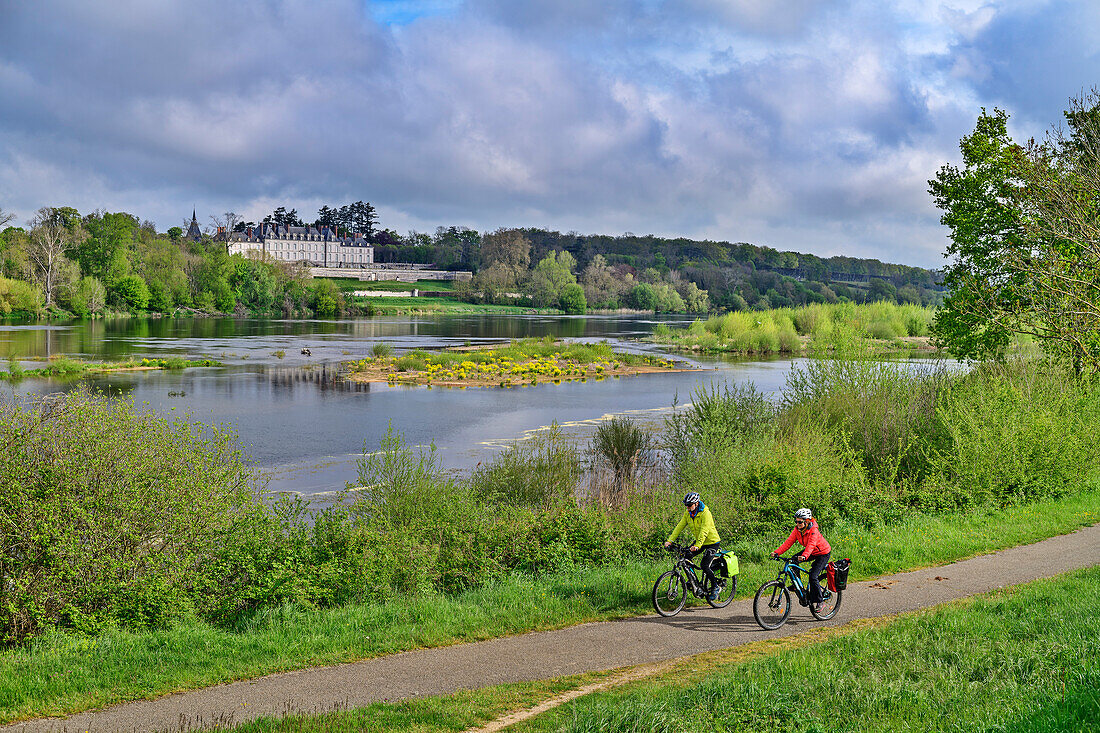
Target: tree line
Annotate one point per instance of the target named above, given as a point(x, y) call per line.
point(114, 261)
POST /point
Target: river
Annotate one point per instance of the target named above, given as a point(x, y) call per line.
point(305, 426)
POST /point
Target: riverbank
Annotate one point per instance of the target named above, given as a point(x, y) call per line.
point(523, 363)
point(64, 674)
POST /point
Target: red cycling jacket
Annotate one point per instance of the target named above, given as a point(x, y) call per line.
point(810, 538)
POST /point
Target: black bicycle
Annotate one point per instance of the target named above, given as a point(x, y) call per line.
point(671, 590)
point(772, 605)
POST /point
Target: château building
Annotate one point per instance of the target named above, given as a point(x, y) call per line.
point(193, 231)
point(317, 247)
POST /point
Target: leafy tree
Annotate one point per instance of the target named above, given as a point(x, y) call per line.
point(1025, 239)
point(695, 299)
point(572, 299)
point(642, 296)
point(108, 236)
point(174, 233)
point(131, 291)
point(325, 298)
point(601, 287)
point(506, 247)
point(54, 232)
point(550, 277)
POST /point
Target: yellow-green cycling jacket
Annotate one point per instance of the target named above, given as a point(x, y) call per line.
point(702, 527)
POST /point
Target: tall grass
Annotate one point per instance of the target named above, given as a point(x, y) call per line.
point(817, 327)
point(874, 442)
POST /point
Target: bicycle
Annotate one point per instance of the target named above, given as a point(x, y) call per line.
point(672, 587)
point(772, 604)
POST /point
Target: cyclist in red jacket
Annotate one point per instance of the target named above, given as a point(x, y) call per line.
point(814, 549)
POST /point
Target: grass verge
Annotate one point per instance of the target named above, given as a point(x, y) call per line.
point(1015, 659)
point(65, 673)
point(926, 670)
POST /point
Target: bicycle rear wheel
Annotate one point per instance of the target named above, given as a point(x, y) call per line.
point(829, 606)
point(772, 605)
point(669, 594)
point(725, 595)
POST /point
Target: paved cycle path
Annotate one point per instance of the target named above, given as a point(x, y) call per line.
point(585, 648)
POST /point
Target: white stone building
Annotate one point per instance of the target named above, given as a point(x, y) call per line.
point(306, 245)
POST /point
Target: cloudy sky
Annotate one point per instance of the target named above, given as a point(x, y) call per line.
point(807, 125)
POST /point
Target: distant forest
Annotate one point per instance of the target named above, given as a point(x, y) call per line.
point(736, 276)
point(104, 261)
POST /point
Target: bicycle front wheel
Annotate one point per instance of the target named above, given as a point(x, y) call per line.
point(725, 593)
point(772, 605)
point(669, 594)
point(829, 606)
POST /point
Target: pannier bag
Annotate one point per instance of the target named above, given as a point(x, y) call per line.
point(729, 562)
point(838, 574)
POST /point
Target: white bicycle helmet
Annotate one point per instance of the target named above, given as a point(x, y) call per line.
point(691, 499)
point(803, 513)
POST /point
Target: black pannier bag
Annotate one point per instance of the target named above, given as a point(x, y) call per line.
point(840, 573)
point(719, 568)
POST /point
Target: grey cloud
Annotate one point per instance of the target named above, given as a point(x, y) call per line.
point(671, 118)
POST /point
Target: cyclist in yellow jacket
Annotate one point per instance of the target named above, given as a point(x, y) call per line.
point(706, 539)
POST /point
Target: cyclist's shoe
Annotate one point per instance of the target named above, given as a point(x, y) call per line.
point(713, 595)
point(817, 607)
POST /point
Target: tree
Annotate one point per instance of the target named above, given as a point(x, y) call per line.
point(550, 277)
point(226, 223)
point(601, 287)
point(572, 299)
point(362, 218)
point(507, 247)
point(174, 233)
point(109, 236)
point(642, 296)
point(1025, 239)
point(5, 217)
point(54, 231)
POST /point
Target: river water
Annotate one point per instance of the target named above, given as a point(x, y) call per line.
point(306, 426)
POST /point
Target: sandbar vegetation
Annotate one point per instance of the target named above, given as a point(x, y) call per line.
point(526, 362)
point(879, 328)
point(64, 366)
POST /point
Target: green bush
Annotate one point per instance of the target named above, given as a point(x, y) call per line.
point(109, 514)
point(16, 295)
point(131, 291)
point(534, 473)
point(572, 299)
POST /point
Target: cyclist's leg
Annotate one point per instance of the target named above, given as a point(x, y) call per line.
point(709, 553)
point(818, 566)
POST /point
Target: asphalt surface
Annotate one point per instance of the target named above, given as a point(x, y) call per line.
point(585, 648)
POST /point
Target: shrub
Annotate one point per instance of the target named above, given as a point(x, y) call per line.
point(572, 299)
point(625, 448)
point(534, 473)
point(132, 292)
point(16, 295)
point(109, 514)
